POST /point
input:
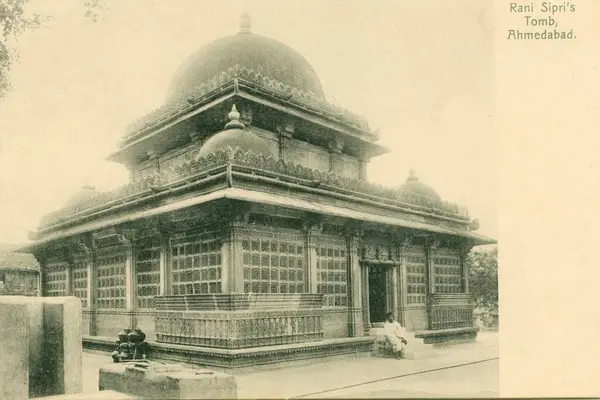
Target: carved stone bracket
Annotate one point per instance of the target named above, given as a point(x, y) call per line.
point(287, 130)
point(336, 145)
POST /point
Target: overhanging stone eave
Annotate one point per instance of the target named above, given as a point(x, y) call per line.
point(258, 197)
point(125, 218)
point(323, 121)
point(132, 142)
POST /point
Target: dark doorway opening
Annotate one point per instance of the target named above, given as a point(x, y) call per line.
point(377, 294)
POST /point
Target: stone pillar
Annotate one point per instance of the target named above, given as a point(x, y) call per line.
point(335, 150)
point(236, 256)
point(430, 255)
point(355, 303)
point(464, 253)
point(401, 271)
point(430, 277)
point(227, 265)
point(91, 291)
point(395, 301)
point(164, 265)
point(311, 261)
point(286, 133)
point(362, 168)
point(69, 272)
point(126, 239)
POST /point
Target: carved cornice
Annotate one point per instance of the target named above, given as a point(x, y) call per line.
point(240, 162)
point(234, 76)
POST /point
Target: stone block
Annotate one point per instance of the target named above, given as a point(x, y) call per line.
point(14, 347)
point(62, 356)
point(166, 381)
point(35, 336)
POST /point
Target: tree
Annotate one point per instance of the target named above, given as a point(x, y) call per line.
point(15, 20)
point(483, 279)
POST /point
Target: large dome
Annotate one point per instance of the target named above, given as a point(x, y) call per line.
point(261, 54)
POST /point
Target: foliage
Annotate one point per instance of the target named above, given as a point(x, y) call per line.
point(483, 279)
point(15, 20)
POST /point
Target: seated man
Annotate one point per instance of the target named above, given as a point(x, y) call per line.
point(394, 334)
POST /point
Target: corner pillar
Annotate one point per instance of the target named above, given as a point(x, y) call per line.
point(311, 260)
point(235, 253)
point(362, 168)
point(126, 238)
point(464, 254)
point(286, 133)
point(402, 279)
point(356, 321)
point(335, 155)
point(430, 277)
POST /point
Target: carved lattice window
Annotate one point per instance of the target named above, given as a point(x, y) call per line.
point(196, 265)
point(55, 279)
point(110, 277)
point(80, 279)
point(332, 272)
point(273, 265)
point(416, 264)
point(447, 272)
point(147, 274)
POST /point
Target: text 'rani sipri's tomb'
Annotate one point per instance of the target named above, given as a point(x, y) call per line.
point(249, 233)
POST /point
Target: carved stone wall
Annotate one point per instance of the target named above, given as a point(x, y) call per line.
point(451, 311)
point(308, 155)
point(235, 321)
point(54, 278)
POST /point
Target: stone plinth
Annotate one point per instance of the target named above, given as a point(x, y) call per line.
point(236, 321)
point(167, 381)
point(14, 347)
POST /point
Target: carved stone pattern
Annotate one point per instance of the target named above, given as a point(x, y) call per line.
point(260, 165)
point(110, 278)
point(80, 278)
point(196, 94)
point(147, 274)
point(332, 270)
point(447, 271)
point(54, 279)
point(416, 264)
point(273, 263)
point(196, 265)
point(236, 330)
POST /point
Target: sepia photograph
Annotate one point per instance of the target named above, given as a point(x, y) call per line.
point(248, 199)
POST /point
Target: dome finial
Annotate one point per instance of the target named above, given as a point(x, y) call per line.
point(234, 119)
point(412, 176)
point(245, 22)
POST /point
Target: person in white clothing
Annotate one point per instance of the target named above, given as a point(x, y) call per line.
point(394, 334)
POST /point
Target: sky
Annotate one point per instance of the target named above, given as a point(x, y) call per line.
point(420, 71)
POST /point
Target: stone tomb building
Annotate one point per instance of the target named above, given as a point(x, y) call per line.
point(249, 221)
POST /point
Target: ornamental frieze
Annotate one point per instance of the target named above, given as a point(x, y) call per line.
point(232, 77)
point(258, 165)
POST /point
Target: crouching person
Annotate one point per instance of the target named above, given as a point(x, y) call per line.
point(394, 334)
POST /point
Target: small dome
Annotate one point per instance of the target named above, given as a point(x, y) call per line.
point(86, 192)
point(413, 185)
point(235, 135)
point(258, 53)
